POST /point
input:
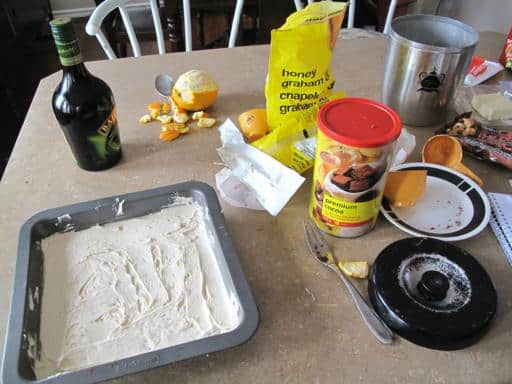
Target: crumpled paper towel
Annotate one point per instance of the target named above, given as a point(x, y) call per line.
point(404, 146)
point(252, 179)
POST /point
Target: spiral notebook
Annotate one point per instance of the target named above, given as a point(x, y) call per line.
point(501, 221)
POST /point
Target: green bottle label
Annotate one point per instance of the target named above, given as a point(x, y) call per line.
point(106, 143)
point(66, 41)
point(69, 54)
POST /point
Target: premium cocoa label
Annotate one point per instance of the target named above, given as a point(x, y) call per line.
point(348, 183)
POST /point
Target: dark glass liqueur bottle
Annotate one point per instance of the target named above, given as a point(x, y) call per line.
point(84, 105)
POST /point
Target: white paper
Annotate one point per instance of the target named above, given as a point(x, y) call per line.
point(234, 192)
point(261, 178)
point(493, 68)
point(501, 223)
point(404, 146)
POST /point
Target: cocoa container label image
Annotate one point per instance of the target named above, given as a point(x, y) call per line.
point(354, 151)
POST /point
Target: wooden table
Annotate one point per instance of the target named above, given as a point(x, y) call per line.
point(310, 331)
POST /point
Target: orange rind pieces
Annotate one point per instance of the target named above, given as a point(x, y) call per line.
point(166, 107)
point(171, 131)
point(157, 109)
point(154, 106)
point(180, 117)
point(174, 119)
point(154, 110)
point(145, 119)
point(357, 269)
point(206, 122)
point(199, 114)
point(168, 135)
point(183, 130)
point(173, 127)
point(164, 119)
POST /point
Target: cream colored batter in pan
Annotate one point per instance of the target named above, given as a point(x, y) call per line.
point(130, 287)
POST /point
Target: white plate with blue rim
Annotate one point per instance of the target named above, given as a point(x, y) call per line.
point(452, 208)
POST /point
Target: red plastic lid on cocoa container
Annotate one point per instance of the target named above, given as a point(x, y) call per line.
point(359, 122)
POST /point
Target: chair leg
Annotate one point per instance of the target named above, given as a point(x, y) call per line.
point(122, 50)
point(201, 29)
point(235, 23)
point(249, 34)
point(174, 35)
point(187, 24)
point(116, 46)
point(351, 13)
point(389, 17)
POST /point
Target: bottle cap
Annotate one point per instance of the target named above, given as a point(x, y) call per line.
point(65, 39)
point(62, 30)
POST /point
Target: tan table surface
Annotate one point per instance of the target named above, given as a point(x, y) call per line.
point(309, 329)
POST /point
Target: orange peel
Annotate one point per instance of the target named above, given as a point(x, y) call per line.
point(168, 135)
point(195, 90)
point(357, 269)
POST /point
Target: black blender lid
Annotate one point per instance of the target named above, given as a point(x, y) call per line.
point(432, 293)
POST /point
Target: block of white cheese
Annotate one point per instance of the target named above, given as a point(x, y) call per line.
point(493, 106)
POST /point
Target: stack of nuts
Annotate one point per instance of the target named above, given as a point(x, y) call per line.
point(174, 120)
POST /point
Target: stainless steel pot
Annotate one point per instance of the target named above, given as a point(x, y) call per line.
point(427, 56)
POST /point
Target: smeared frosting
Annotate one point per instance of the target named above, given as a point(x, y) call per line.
point(130, 287)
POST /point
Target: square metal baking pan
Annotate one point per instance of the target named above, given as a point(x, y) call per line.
point(24, 318)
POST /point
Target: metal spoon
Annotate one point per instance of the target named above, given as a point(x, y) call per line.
point(164, 84)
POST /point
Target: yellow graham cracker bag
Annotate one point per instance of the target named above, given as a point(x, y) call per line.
point(293, 143)
point(299, 80)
